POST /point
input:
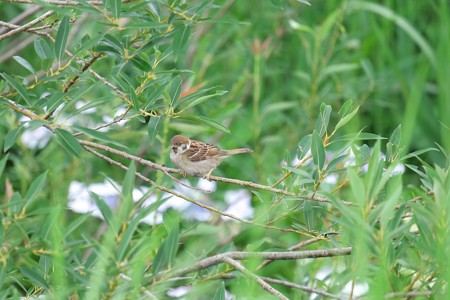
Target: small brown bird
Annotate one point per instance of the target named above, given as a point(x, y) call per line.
point(196, 158)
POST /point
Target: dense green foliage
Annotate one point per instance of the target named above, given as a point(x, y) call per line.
point(344, 103)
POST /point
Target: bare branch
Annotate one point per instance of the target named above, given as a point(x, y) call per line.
point(258, 279)
point(22, 16)
point(291, 255)
point(301, 287)
point(26, 26)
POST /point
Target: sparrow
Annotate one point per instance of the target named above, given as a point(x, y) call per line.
point(197, 158)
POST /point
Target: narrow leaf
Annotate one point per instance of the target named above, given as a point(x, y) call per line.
point(24, 63)
point(203, 99)
point(345, 108)
point(324, 118)
point(105, 210)
point(42, 49)
point(11, 138)
point(318, 151)
point(114, 7)
point(415, 153)
point(207, 121)
point(99, 136)
point(3, 163)
point(175, 89)
point(61, 37)
point(35, 188)
point(128, 183)
point(357, 186)
point(180, 39)
point(18, 87)
point(68, 141)
point(304, 146)
point(220, 293)
point(167, 251)
point(346, 119)
point(34, 276)
point(155, 126)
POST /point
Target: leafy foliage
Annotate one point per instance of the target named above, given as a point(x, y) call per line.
point(92, 91)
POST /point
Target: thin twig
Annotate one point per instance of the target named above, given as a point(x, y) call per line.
point(26, 26)
point(110, 85)
point(297, 246)
point(22, 16)
point(236, 255)
point(258, 279)
point(186, 185)
point(409, 294)
point(301, 287)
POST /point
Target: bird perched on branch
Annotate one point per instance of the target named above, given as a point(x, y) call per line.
point(197, 158)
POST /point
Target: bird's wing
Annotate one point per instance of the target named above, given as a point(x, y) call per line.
point(200, 151)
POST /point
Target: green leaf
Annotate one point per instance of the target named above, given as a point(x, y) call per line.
point(417, 153)
point(360, 136)
point(18, 87)
point(346, 119)
point(310, 216)
point(105, 210)
point(132, 226)
point(99, 136)
point(357, 186)
point(3, 163)
point(318, 151)
point(155, 94)
point(304, 146)
point(34, 276)
point(128, 183)
point(12, 137)
point(220, 293)
point(87, 42)
point(335, 162)
point(324, 118)
point(393, 146)
point(155, 126)
point(175, 89)
point(167, 251)
point(33, 124)
point(345, 108)
point(43, 49)
point(115, 7)
point(207, 121)
point(202, 99)
point(68, 141)
point(180, 39)
point(61, 37)
point(55, 100)
point(35, 188)
point(24, 63)
point(114, 43)
point(15, 204)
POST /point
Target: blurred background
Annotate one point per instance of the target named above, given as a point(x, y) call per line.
point(131, 74)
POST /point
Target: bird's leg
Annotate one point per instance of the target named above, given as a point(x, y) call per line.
point(208, 175)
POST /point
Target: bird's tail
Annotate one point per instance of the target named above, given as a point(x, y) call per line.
point(238, 151)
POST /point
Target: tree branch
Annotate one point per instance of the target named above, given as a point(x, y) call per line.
point(258, 279)
point(291, 255)
point(26, 26)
